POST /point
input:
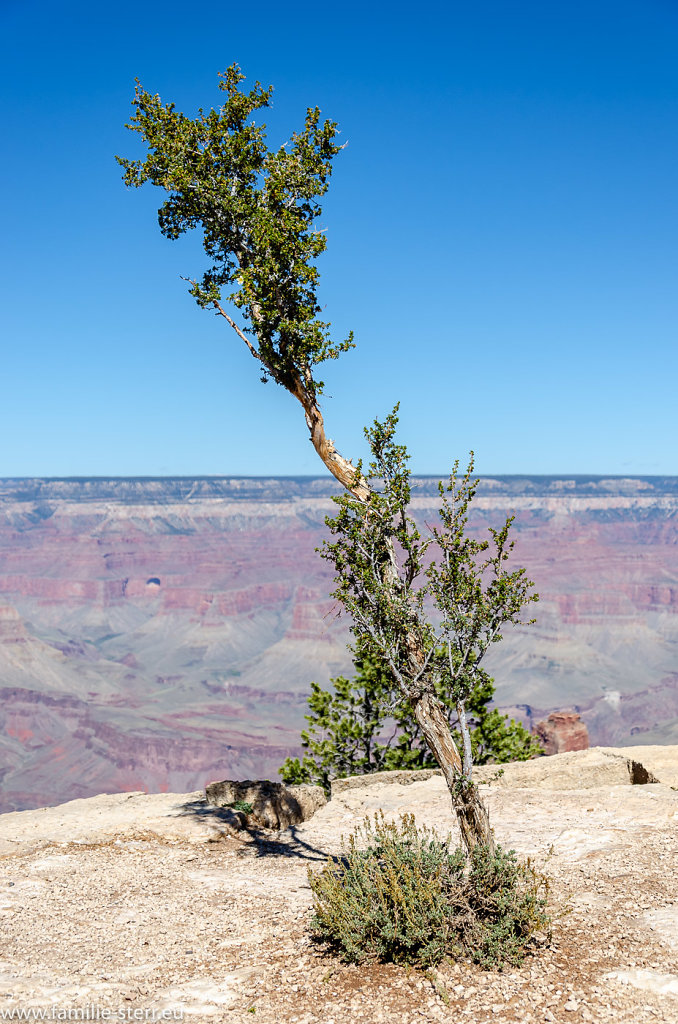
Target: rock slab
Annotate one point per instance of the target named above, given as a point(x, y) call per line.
point(575, 769)
point(274, 805)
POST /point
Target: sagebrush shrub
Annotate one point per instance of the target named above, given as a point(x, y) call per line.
point(402, 894)
point(509, 903)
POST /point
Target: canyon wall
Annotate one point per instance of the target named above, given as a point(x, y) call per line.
point(156, 634)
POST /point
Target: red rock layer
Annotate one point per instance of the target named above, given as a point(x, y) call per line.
point(154, 645)
point(561, 732)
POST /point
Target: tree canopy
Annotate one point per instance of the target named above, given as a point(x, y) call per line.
point(257, 210)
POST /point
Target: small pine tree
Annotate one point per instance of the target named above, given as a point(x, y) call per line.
point(360, 727)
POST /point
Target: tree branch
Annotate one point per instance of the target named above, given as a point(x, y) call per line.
point(238, 331)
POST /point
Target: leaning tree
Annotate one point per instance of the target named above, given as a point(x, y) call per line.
point(257, 209)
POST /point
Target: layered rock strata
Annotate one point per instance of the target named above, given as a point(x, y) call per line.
point(156, 634)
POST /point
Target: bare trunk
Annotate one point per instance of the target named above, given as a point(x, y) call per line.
point(474, 821)
point(301, 386)
point(340, 468)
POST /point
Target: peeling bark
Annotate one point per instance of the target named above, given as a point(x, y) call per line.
point(472, 815)
point(340, 468)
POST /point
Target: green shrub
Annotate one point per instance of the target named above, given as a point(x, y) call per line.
point(402, 894)
point(242, 805)
point(509, 901)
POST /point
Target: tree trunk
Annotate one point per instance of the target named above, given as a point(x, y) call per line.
point(474, 821)
point(341, 468)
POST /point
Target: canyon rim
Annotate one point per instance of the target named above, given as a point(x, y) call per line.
point(159, 633)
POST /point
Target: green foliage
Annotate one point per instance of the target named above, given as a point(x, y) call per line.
point(472, 590)
point(257, 210)
point(362, 726)
point(242, 805)
point(388, 576)
point(495, 738)
point(509, 902)
point(375, 586)
point(402, 894)
point(345, 727)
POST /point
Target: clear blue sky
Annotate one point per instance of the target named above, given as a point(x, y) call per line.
point(502, 236)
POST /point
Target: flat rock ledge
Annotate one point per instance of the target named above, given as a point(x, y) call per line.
point(154, 903)
point(188, 817)
point(579, 769)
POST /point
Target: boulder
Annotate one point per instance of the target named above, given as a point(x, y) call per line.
point(274, 805)
point(562, 732)
point(575, 771)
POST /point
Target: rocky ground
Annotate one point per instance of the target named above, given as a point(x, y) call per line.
point(139, 904)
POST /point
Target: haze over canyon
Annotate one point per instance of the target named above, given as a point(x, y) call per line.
point(159, 633)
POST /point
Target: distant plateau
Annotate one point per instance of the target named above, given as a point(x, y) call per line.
point(159, 633)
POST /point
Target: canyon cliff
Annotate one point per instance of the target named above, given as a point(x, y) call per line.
point(155, 634)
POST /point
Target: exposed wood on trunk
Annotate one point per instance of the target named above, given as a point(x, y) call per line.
point(340, 468)
point(474, 821)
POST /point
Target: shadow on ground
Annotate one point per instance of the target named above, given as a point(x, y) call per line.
point(260, 842)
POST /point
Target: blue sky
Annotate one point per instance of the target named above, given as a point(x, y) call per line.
point(502, 234)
